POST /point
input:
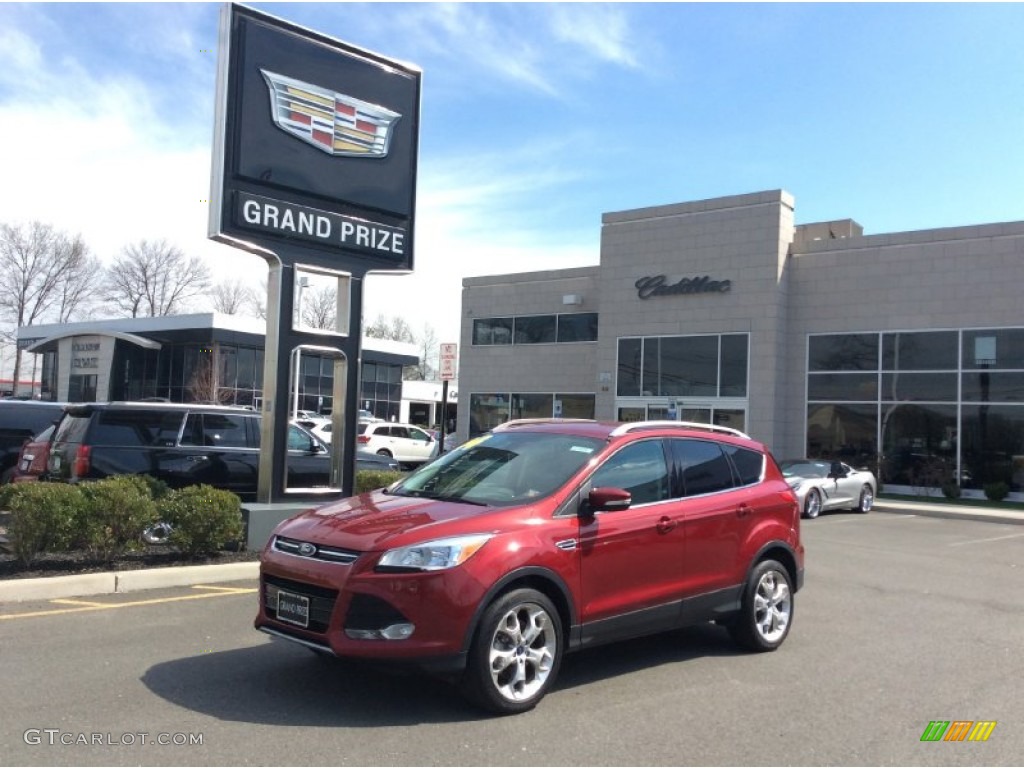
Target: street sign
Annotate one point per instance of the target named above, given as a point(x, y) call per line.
point(449, 354)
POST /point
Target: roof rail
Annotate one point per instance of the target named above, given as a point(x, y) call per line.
point(524, 422)
point(631, 426)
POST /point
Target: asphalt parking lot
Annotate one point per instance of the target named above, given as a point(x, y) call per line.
point(904, 620)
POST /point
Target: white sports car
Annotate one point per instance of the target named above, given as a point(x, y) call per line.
point(821, 485)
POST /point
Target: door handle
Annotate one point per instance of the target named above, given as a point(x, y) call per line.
point(665, 524)
point(193, 457)
point(743, 511)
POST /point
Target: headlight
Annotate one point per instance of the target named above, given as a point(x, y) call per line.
point(434, 555)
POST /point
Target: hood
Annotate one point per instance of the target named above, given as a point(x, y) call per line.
point(377, 520)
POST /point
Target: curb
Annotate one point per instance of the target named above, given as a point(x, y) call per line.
point(950, 512)
point(111, 582)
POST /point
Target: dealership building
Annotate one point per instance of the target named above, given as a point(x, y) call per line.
point(901, 352)
point(206, 357)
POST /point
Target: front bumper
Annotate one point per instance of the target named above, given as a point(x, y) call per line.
point(346, 602)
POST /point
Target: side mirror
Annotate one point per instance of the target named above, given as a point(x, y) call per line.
point(608, 500)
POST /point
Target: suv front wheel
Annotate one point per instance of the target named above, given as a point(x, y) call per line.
point(767, 608)
point(515, 654)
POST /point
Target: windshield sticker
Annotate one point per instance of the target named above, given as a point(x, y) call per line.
point(581, 449)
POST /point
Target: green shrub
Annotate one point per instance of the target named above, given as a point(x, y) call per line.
point(996, 491)
point(116, 512)
point(42, 517)
point(203, 519)
point(372, 479)
point(950, 489)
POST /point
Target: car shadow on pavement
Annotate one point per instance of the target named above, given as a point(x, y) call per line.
point(282, 684)
point(607, 661)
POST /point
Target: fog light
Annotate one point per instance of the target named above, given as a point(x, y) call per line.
point(394, 632)
point(398, 631)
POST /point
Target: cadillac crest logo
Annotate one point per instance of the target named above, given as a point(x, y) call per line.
point(332, 122)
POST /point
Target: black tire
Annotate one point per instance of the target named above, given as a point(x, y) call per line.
point(766, 612)
point(7, 476)
point(531, 661)
point(812, 504)
point(866, 500)
point(385, 452)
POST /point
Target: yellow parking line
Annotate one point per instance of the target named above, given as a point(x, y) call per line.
point(230, 590)
point(85, 607)
point(80, 602)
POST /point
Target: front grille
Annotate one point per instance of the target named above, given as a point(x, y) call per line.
point(321, 600)
point(317, 551)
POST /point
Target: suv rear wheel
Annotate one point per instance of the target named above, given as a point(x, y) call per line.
point(516, 653)
point(767, 609)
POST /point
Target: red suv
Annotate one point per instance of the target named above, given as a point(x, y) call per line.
point(543, 537)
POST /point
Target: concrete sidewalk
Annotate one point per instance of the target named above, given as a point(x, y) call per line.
point(950, 511)
point(110, 582)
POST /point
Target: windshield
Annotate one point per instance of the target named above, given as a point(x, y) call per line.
point(502, 469)
point(804, 469)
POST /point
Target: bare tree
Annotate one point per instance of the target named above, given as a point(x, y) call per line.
point(426, 342)
point(44, 274)
point(320, 308)
point(258, 301)
point(203, 385)
point(394, 328)
point(153, 279)
point(230, 297)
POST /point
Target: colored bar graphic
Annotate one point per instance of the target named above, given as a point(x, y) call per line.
point(958, 730)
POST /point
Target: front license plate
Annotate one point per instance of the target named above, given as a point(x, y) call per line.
point(293, 608)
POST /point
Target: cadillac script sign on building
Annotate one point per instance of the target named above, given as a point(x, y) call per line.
point(316, 146)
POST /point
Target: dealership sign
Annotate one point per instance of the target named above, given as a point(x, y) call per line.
point(658, 285)
point(316, 146)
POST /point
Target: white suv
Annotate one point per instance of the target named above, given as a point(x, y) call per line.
point(406, 443)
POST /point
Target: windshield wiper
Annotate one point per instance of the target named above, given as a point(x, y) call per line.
point(439, 497)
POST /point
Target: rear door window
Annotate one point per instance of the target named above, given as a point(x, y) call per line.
point(701, 466)
point(219, 430)
point(135, 428)
point(749, 464)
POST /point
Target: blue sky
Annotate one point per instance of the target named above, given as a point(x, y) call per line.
point(536, 119)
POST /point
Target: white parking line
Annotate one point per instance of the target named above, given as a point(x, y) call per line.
point(985, 541)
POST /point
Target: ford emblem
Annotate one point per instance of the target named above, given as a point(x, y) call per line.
point(306, 549)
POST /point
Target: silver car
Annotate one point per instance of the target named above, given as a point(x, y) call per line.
point(821, 485)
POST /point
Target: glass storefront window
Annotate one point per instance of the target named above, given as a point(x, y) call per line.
point(576, 406)
point(919, 351)
point(492, 330)
point(843, 352)
point(733, 365)
point(994, 348)
point(532, 406)
point(540, 329)
point(927, 387)
point(581, 326)
point(842, 386)
point(996, 387)
point(486, 412)
point(843, 430)
point(650, 384)
point(689, 366)
point(919, 444)
point(628, 378)
point(993, 446)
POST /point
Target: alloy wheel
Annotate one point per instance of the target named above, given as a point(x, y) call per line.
point(522, 652)
point(773, 606)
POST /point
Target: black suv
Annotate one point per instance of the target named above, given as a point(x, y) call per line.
point(21, 420)
point(181, 444)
